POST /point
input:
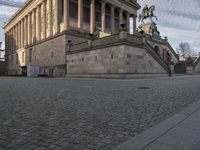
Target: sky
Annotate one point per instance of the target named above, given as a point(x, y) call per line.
point(179, 20)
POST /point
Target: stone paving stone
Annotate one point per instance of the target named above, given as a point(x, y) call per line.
point(182, 137)
point(161, 146)
point(191, 122)
point(197, 114)
point(82, 114)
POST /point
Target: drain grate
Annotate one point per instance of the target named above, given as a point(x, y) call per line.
point(144, 88)
point(2, 147)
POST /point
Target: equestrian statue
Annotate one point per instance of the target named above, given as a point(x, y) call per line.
point(147, 12)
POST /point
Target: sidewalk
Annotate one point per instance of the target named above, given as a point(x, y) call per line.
point(179, 132)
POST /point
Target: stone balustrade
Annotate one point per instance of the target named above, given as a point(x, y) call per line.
point(114, 39)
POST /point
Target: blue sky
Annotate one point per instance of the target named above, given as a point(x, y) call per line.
point(177, 19)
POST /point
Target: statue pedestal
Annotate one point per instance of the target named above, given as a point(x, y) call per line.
point(149, 28)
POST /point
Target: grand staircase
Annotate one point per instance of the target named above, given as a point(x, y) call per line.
point(157, 57)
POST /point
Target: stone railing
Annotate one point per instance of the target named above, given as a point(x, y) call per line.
point(196, 61)
point(114, 39)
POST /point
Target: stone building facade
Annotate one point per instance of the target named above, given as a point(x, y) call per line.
point(38, 33)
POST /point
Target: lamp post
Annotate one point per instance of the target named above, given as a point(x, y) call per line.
point(91, 39)
point(66, 51)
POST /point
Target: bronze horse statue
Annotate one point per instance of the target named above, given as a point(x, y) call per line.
point(147, 13)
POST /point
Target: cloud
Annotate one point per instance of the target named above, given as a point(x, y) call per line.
point(7, 11)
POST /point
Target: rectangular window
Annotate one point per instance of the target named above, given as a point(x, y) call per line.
point(62, 10)
point(73, 10)
point(86, 14)
point(98, 17)
point(108, 22)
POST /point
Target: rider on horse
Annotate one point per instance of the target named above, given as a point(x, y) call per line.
point(147, 12)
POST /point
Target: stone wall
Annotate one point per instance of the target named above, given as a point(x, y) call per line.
point(121, 59)
point(48, 54)
point(19, 60)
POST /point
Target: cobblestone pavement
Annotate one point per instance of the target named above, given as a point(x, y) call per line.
point(86, 114)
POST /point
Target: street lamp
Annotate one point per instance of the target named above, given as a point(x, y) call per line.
point(67, 50)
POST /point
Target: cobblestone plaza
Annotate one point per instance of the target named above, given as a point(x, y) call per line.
point(90, 114)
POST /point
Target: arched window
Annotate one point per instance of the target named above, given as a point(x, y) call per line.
point(157, 50)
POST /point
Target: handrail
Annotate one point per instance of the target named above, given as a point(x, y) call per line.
point(196, 61)
point(172, 50)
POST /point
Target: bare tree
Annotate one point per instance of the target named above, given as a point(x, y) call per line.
point(184, 50)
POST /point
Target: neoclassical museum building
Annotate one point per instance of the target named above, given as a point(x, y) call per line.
point(84, 38)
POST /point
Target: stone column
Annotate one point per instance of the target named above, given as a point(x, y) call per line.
point(33, 26)
point(80, 14)
point(11, 39)
point(43, 13)
point(50, 16)
point(56, 28)
point(38, 23)
point(19, 31)
point(29, 29)
point(15, 47)
point(134, 23)
point(6, 41)
point(112, 19)
point(12, 32)
point(120, 17)
point(16, 36)
point(25, 31)
point(14, 39)
point(92, 16)
point(22, 30)
point(128, 22)
point(103, 16)
point(66, 15)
